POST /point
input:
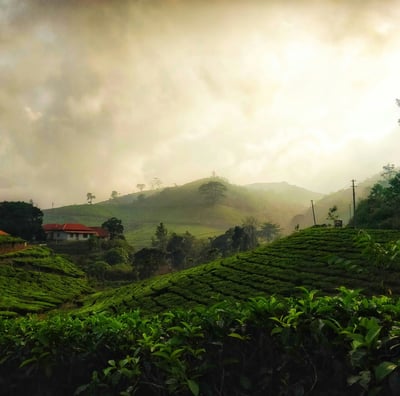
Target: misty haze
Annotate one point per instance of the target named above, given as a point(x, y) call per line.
point(103, 96)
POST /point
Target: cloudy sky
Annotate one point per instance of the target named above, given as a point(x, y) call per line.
point(102, 95)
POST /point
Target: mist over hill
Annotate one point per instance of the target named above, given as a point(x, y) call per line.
point(182, 208)
point(342, 199)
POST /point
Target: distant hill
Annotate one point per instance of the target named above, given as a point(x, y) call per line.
point(182, 208)
point(288, 192)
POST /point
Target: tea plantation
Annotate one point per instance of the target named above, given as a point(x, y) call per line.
point(249, 325)
point(317, 258)
point(36, 280)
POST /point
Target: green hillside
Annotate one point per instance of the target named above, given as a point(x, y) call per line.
point(36, 280)
point(317, 258)
point(182, 208)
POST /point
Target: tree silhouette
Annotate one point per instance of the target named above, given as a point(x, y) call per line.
point(90, 197)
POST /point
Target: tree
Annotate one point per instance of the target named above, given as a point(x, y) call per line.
point(160, 239)
point(332, 213)
point(156, 183)
point(180, 249)
point(269, 231)
point(389, 171)
point(114, 194)
point(140, 186)
point(212, 192)
point(90, 197)
point(381, 209)
point(22, 219)
point(147, 261)
point(117, 255)
point(114, 227)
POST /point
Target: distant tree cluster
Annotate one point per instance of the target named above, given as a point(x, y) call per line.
point(179, 251)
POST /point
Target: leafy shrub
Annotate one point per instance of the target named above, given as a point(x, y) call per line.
point(342, 344)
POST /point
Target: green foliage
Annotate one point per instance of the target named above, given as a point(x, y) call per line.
point(21, 219)
point(269, 231)
point(383, 255)
point(340, 344)
point(117, 255)
point(114, 227)
point(382, 207)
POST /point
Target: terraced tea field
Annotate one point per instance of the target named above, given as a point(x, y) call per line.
point(36, 280)
point(316, 258)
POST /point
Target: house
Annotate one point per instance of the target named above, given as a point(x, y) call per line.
point(72, 232)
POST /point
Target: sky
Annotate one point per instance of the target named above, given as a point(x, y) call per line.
point(103, 95)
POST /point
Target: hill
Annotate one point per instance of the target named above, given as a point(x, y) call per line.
point(182, 208)
point(316, 258)
point(37, 280)
point(343, 199)
point(288, 192)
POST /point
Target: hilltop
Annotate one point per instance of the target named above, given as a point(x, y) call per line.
point(182, 208)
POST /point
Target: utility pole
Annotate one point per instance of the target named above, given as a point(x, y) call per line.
point(313, 212)
point(354, 201)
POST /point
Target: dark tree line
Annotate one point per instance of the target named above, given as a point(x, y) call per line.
point(22, 219)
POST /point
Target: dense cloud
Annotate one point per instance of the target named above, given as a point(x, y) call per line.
point(99, 96)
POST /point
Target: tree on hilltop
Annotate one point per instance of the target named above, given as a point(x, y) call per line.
point(90, 197)
point(213, 192)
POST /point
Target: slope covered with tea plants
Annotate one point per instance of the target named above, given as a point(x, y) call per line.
point(317, 258)
point(37, 280)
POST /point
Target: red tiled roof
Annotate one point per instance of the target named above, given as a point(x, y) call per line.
point(101, 232)
point(69, 227)
point(3, 233)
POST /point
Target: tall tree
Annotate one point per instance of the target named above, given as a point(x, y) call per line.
point(90, 197)
point(269, 231)
point(140, 186)
point(21, 219)
point(147, 261)
point(114, 227)
point(160, 238)
point(212, 192)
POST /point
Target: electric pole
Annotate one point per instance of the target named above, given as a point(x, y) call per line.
point(354, 201)
point(313, 212)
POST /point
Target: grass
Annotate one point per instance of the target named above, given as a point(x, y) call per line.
point(317, 258)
